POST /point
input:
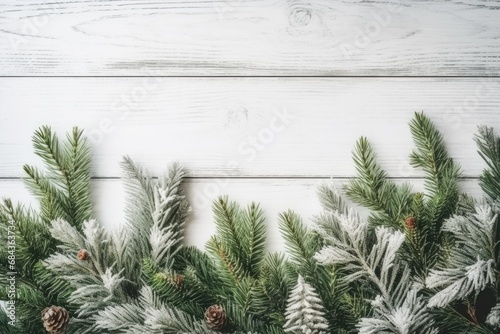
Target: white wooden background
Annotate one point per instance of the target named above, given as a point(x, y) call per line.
point(203, 81)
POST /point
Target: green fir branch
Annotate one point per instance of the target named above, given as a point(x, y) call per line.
point(64, 190)
point(254, 238)
point(489, 149)
point(373, 189)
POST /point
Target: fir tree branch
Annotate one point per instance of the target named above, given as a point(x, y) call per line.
point(46, 146)
point(277, 278)
point(431, 155)
point(140, 205)
point(53, 201)
point(77, 151)
point(64, 191)
point(442, 174)
point(330, 198)
point(489, 149)
point(374, 190)
point(254, 238)
point(301, 244)
point(349, 247)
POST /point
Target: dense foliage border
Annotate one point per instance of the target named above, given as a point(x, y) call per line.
point(421, 263)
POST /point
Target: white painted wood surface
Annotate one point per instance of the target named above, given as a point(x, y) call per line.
point(195, 81)
point(249, 37)
point(241, 127)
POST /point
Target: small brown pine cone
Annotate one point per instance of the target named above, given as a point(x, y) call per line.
point(215, 317)
point(178, 280)
point(410, 223)
point(83, 255)
point(55, 319)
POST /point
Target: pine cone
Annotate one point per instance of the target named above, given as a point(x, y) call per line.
point(215, 317)
point(178, 280)
point(410, 223)
point(83, 255)
point(55, 319)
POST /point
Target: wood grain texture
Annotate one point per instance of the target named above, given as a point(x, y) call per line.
point(250, 37)
point(231, 127)
point(274, 196)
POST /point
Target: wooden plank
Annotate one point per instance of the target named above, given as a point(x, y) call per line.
point(219, 127)
point(274, 196)
point(251, 37)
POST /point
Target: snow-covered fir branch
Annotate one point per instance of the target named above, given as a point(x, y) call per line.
point(470, 267)
point(397, 306)
point(305, 311)
point(149, 315)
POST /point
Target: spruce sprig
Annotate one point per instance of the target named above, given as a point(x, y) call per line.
point(302, 244)
point(373, 189)
point(489, 149)
point(419, 216)
point(63, 190)
point(432, 157)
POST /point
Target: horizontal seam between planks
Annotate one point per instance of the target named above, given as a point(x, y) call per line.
point(259, 76)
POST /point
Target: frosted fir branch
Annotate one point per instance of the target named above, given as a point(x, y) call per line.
point(123, 318)
point(94, 239)
point(475, 231)
point(397, 307)
point(105, 250)
point(91, 299)
point(127, 317)
point(334, 255)
point(471, 264)
point(78, 273)
point(138, 184)
point(148, 297)
point(493, 318)
point(139, 188)
point(347, 246)
point(156, 212)
point(411, 317)
point(460, 283)
point(163, 206)
point(330, 198)
point(383, 256)
point(122, 255)
point(163, 242)
point(346, 230)
point(94, 297)
point(148, 315)
point(165, 235)
point(171, 180)
point(160, 319)
point(113, 282)
point(165, 320)
point(67, 234)
point(305, 311)
point(97, 244)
